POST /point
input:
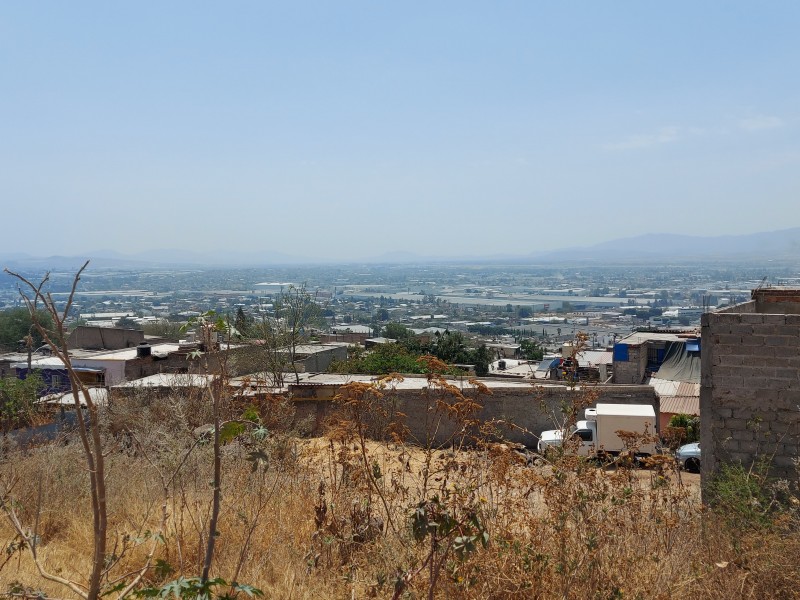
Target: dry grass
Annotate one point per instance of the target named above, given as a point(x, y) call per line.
point(332, 517)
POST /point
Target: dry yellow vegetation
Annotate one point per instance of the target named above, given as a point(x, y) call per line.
point(362, 513)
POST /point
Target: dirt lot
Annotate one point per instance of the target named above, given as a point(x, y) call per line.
point(409, 463)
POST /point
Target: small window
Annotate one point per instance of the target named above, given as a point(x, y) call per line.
point(584, 434)
point(55, 381)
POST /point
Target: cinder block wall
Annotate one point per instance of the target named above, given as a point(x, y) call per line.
point(632, 371)
point(521, 414)
point(750, 388)
point(108, 338)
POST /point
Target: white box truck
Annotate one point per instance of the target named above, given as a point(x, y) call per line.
point(596, 435)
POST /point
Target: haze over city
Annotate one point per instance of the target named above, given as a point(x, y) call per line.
point(356, 129)
point(369, 299)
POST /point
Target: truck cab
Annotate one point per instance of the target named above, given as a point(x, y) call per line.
point(584, 434)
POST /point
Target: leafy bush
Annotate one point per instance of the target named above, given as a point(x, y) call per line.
point(690, 425)
point(17, 398)
point(741, 495)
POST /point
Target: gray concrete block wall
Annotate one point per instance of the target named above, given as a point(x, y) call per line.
point(104, 338)
point(318, 362)
point(521, 415)
point(631, 371)
point(750, 388)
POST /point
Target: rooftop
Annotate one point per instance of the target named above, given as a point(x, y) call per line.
point(417, 382)
point(640, 337)
point(167, 380)
point(130, 353)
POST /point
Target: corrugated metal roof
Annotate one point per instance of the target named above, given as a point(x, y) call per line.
point(547, 364)
point(681, 405)
point(592, 358)
point(522, 369)
point(677, 397)
point(664, 387)
point(688, 389)
point(640, 337)
point(168, 380)
point(97, 395)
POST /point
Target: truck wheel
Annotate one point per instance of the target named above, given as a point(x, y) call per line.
point(603, 459)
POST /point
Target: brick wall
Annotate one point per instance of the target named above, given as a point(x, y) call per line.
point(750, 389)
point(772, 300)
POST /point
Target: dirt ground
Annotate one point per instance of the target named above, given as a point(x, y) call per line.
point(319, 455)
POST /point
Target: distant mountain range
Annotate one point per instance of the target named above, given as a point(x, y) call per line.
point(656, 247)
point(111, 259)
point(770, 245)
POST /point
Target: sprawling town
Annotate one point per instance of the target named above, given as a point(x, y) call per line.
point(399, 300)
point(687, 370)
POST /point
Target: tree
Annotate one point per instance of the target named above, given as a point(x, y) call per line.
point(99, 582)
point(169, 330)
point(381, 360)
point(17, 397)
point(127, 323)
point(241, 323)
point(451, 347)
point(493, 330)
point(283, 330)
point(17, 326)
point(530, 350)
point(209, 325)
point(88, 430)
point(481, 359)
point(397, 331)
point(689, 424)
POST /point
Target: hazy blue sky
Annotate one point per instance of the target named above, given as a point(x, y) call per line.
point(343, 129)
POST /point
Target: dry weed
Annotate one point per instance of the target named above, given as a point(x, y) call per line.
point(364, 512)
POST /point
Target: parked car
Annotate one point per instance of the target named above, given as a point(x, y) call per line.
point(688, 456)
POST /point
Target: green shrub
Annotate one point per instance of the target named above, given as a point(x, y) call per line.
point(741, 495)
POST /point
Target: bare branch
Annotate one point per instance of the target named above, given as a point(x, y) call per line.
point(89, 433)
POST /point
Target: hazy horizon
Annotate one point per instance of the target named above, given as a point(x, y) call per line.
point(361, 129)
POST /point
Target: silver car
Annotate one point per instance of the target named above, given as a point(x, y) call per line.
point(688, 456)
